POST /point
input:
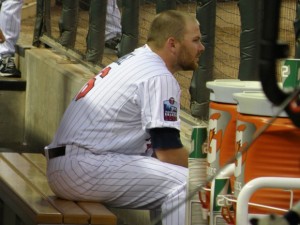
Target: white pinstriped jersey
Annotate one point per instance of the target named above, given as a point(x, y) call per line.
point(114, 110)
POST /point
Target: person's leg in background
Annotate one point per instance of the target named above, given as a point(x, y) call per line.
point(10, 24)
point(113, 28)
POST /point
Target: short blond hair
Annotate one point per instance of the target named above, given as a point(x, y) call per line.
point(170, 23)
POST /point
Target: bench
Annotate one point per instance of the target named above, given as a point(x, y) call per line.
point(26, 198)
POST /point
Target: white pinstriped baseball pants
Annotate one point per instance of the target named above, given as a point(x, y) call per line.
point(120, 181)
point(10, 23)
point(113, 20)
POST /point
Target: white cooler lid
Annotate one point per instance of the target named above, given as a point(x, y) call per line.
point(223, 89)
point(256, 103)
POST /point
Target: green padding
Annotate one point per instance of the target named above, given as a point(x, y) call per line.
point(42, 22)
point(68, 23)
point(130, 17)
point(127, 44)
point(249, 40)
point(96, 34)
point(162, 5)
point(130, 26)
point(206, 15)
point(297, 31)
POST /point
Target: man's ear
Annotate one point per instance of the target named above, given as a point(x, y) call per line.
point(172, 44)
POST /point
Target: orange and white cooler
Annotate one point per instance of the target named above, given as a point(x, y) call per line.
point(221, 132)
point(222, 120)
point(275, 153)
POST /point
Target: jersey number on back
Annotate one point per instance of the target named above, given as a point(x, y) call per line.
point(91, 83)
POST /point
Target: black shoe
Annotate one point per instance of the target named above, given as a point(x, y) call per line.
point(113, 43)
point(8, 68)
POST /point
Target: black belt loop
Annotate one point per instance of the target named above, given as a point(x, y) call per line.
point(56, 152)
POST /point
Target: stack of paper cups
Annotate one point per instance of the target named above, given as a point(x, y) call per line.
point(197, 176)
point(220, 187)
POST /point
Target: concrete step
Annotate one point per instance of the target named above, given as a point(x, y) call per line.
point(12, 84)
point(12, 111)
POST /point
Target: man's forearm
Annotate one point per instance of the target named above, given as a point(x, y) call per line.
point(178, 156)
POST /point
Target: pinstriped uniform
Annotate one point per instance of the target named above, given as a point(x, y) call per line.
point(10, 22)
point(113, 20)
point(105, 130)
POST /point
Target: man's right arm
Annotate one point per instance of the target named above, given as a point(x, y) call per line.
point(168, 147)
point(177, 156)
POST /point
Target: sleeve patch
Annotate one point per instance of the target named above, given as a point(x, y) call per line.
point(170, 109)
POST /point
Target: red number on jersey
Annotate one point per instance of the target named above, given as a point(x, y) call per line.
point(91, 83)
point(104, 72)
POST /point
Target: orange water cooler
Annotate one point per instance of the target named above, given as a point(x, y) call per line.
point(222, 120)
point(275, 153)
point(221, 133)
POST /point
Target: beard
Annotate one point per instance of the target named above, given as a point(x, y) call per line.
point(186, 61)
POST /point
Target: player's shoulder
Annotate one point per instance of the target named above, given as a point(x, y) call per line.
point(144, 52)
point(141, 59)
point(138, 55)
point(142, 64)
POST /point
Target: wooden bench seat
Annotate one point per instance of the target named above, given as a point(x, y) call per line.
point(25, 191)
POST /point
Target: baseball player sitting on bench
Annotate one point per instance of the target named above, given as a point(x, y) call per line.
point(118, 142)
